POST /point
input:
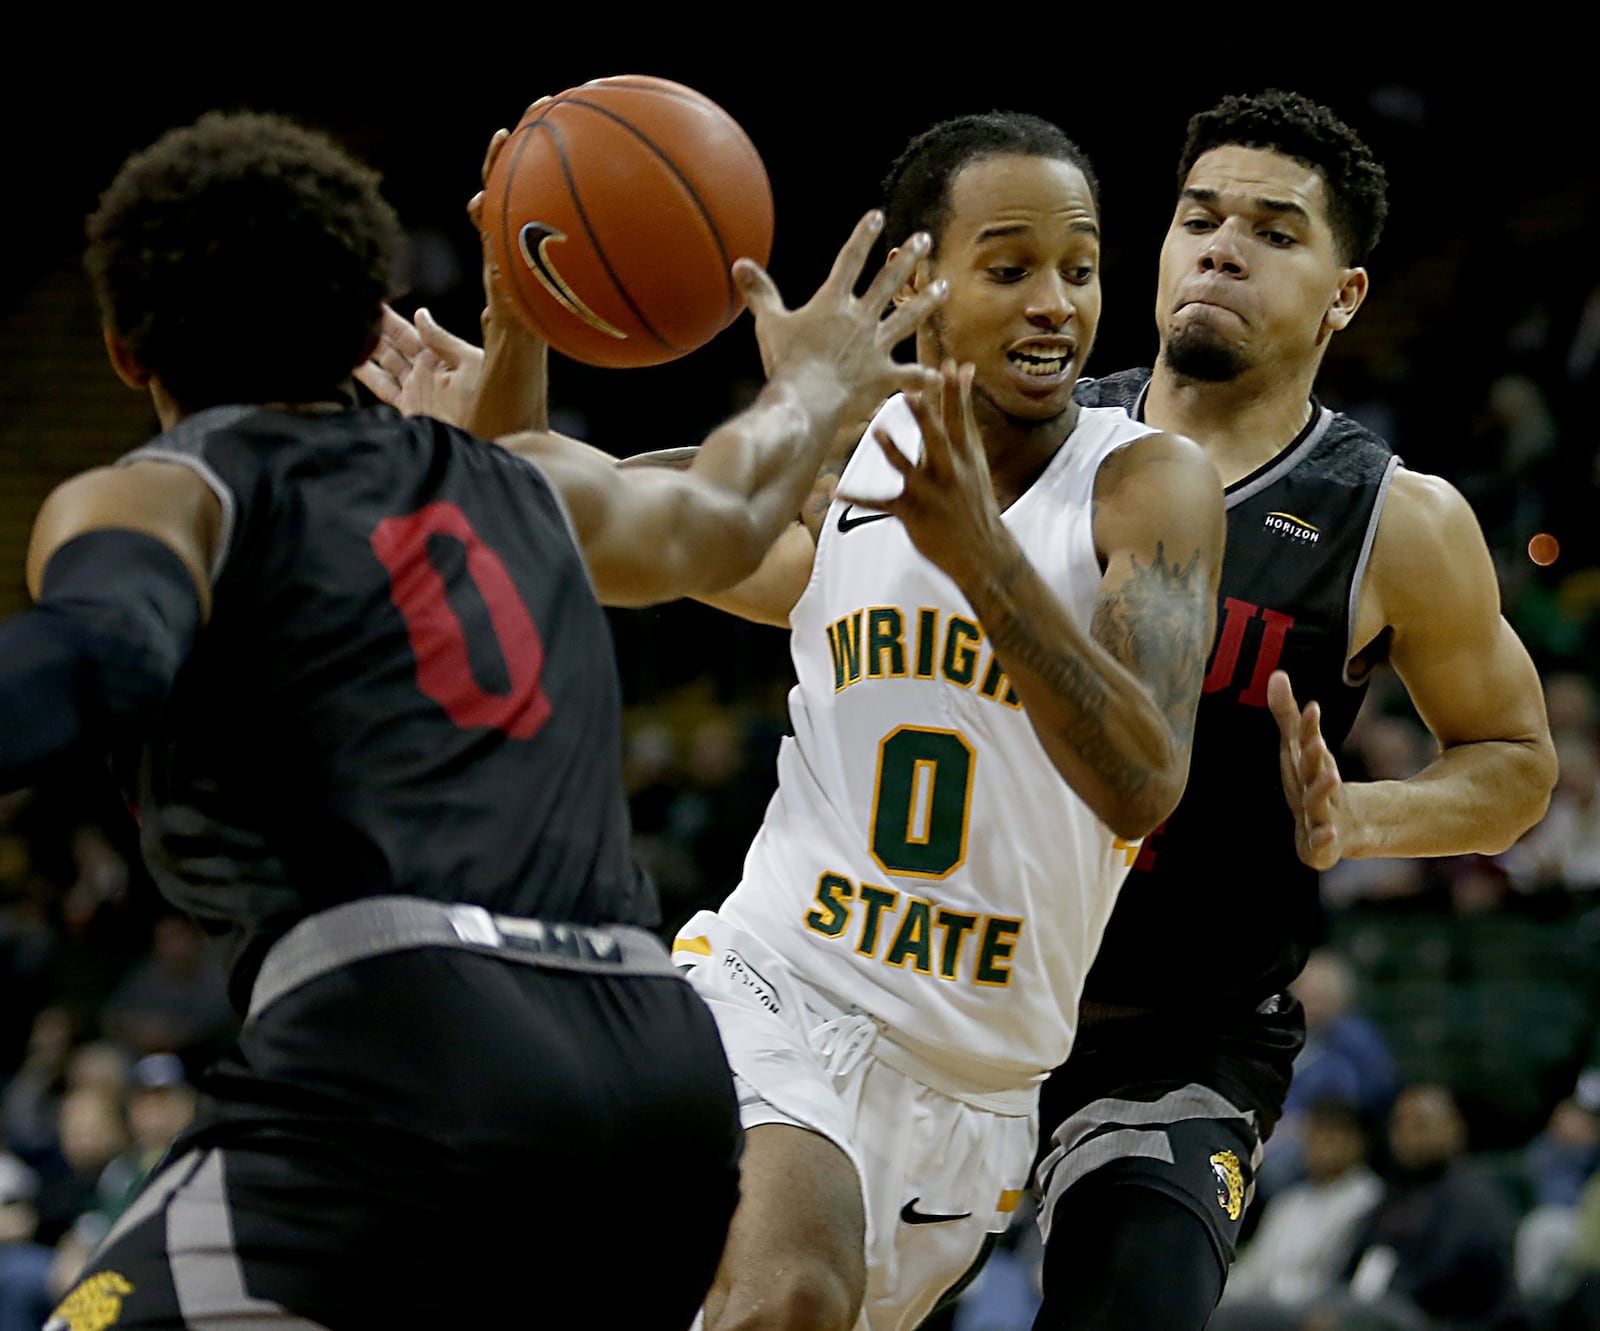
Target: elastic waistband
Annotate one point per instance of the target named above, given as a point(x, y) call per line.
point(373, 926)
point(931, 1067)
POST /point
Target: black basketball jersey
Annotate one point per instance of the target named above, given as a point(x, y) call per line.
point(1218, 911)
point(406, 685)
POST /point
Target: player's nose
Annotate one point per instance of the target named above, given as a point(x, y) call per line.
point(1223, 253)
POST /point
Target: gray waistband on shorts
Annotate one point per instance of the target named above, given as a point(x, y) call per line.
point(373, 926)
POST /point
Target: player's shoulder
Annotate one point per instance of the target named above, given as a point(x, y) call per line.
point(1122, 389)
point(1426, 506)
point(1345, 451)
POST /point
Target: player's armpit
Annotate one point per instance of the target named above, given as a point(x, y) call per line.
point(1432, 581)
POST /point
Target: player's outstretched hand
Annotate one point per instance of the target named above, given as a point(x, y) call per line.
point(422, 368)
point(1311, 780)
point(946, 502)
point(838, 341)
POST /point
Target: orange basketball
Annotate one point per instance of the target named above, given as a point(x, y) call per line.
point(615, 211)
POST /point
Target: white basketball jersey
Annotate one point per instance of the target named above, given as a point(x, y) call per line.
point(922, 858)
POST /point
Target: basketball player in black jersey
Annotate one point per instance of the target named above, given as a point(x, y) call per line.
point(1339, 561)
point(362, 661)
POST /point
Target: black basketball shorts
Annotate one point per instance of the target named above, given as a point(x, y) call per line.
point(439, 1137)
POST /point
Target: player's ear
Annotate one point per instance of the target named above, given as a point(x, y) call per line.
point(921, 275)
point(1347, 299)
point(122, 360)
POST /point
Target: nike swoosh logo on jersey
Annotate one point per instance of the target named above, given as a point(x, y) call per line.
point(846, 522)
point(912, 1216)
point(534, 240)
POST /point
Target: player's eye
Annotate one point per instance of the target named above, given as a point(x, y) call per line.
point(1278, 238)
point(1006, 273)
point(1198, 224)
point(1081, 274)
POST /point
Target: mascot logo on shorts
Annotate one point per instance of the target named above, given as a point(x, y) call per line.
point(93, 1305)
point(1230, 1183)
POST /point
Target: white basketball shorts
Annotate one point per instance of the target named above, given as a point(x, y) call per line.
point(941, 1167)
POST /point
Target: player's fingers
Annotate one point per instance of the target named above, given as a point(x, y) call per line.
point(392, 361)
point(1310, 725)
point(909, 379)
point(969, 417)
point(759, 290)
point(436, 338)
point(399, 332)
point(852, 257)
point(383, 385)
point(896, 273)
point(1280, 701)
point(891, 450)
point(496, 142)
point(904, 318)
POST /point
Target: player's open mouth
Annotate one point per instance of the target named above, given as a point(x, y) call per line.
point(1041, 360)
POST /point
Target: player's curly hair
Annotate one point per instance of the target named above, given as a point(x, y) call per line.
point(243, 258)
point(1297, 127)
point(916, 190)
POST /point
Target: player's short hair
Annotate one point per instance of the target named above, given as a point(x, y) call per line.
point(1288, 123)
point(243, 258)
point(916, 190)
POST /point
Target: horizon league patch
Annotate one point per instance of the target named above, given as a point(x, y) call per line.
point(752, 979)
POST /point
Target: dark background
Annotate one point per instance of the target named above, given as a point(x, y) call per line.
point(1494, 180)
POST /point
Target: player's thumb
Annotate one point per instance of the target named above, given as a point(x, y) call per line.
point(439, 340)
point(1280, 701)
point(758, 289)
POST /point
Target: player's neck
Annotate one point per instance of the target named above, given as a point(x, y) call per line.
point(1241, 424)
point(1019, 450)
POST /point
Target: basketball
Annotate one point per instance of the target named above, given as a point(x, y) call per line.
point(614, 212)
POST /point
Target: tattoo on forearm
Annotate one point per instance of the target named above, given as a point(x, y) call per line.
point(1155, 624)
point(1016, 642)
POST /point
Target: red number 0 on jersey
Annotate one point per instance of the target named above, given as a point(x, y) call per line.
point(444, 671)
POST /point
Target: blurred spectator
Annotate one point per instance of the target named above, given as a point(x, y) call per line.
point(28, 944)
point(25, 1296)
point(176, 1000)
point(161, 1104)
point(1307, 1232)
point(1344, 1061)
point(92, 1133)
point(718, 809)
point(1559, 1163)
point(1437, 1250)
point(1562, 851)
point(1572, 704)
point(32, 1098)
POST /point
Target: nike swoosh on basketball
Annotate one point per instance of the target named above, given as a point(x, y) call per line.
point(533, 242)
point(846, 522)
point(912, 1216)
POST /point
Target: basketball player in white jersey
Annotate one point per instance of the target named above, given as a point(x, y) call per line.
point(999, 645)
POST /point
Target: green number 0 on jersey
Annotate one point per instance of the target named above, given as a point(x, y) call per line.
point(921, 802)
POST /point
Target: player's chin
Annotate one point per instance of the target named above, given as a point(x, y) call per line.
point(1034, 402)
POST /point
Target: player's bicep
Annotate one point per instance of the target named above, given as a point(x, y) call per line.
point(648, 534)
point(1159, 528)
